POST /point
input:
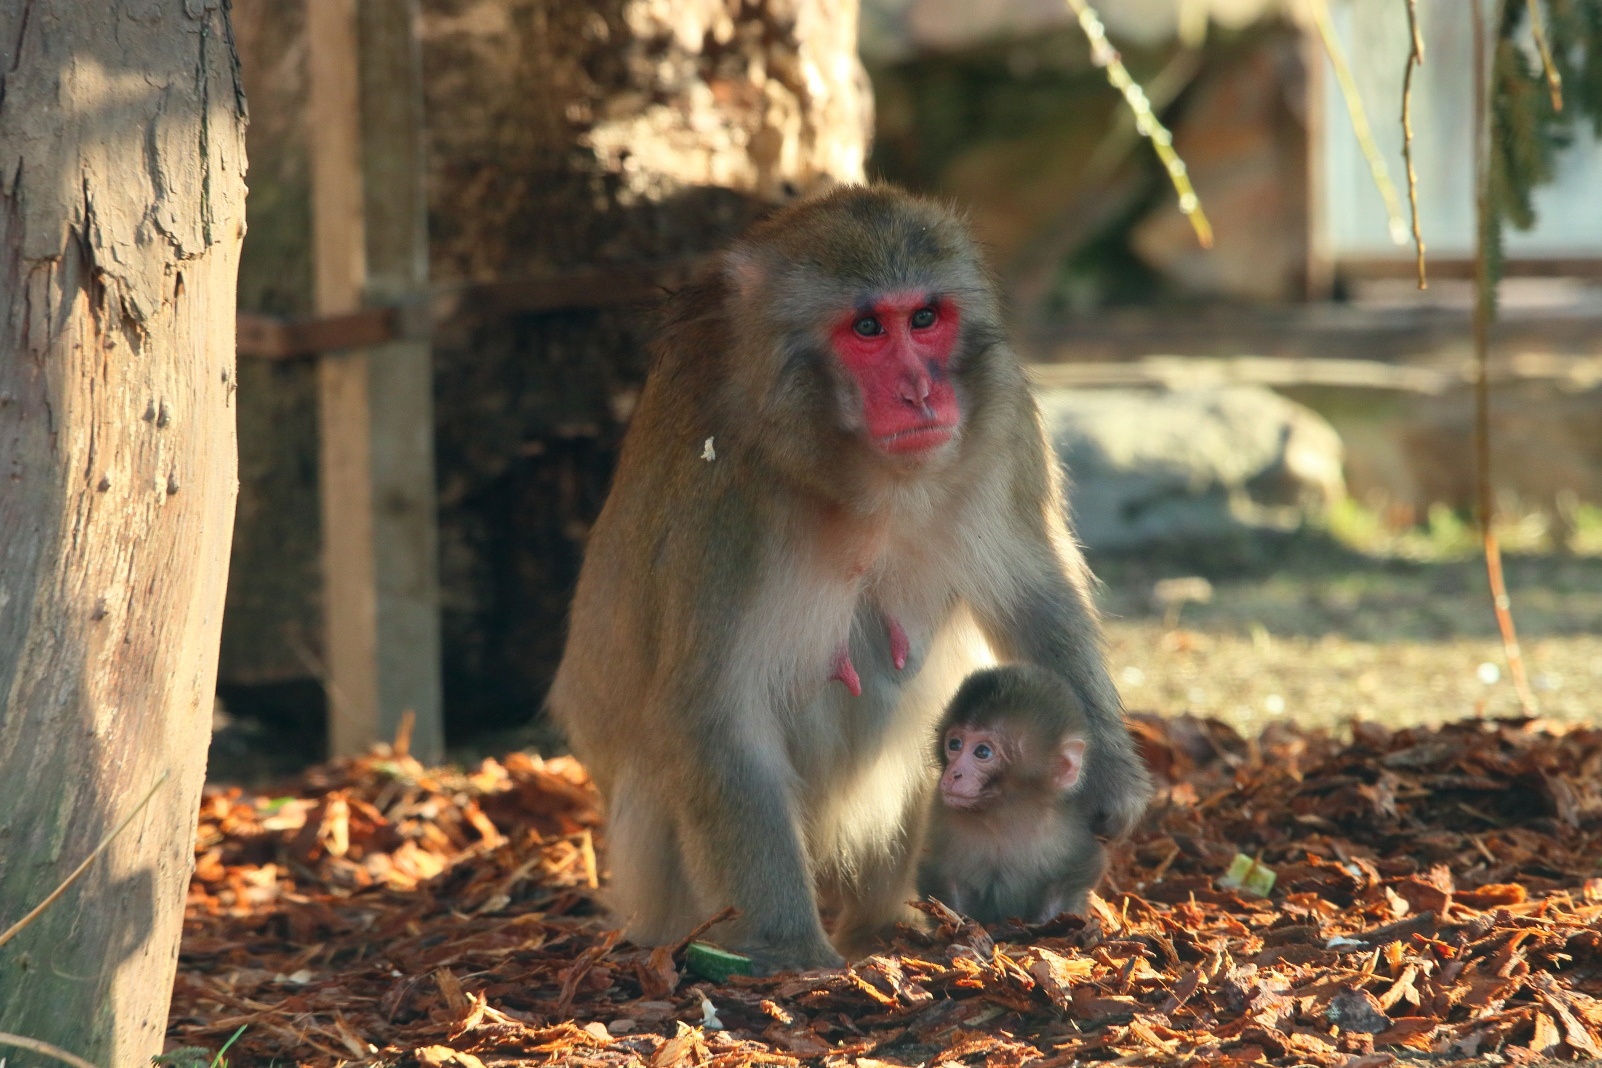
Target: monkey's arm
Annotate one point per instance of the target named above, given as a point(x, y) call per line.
point(1048, 620)
point(740, 834)
point(1041, 613)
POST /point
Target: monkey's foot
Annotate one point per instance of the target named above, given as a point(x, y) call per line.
point(768, 959)
point(899, 646)
point(860, 937)
point(846, 671)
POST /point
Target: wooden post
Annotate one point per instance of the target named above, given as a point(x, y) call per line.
point(376, 417)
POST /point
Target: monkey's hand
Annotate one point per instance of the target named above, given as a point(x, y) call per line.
point(770, 958)
point(1115, 789)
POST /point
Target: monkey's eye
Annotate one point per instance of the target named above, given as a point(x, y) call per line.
point(868, 326)
point(982, 751)
point(954, 745)
point(923, 318)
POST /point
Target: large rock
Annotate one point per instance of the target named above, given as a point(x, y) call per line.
point(1190, 464)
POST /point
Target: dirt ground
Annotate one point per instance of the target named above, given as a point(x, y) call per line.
point(1313, 630)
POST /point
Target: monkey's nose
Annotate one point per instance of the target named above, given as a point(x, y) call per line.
point(915, 391)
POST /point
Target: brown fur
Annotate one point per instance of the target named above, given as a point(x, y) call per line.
point(1029, 854)
point(695, 683)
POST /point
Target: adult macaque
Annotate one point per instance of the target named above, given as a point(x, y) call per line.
point(1008, 836)
point(835, 500)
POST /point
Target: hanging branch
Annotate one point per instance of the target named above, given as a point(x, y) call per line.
point(1104, 55)
point(1554, 81)
point(1415, 59)
point(1487, 240)
point(1359, 116)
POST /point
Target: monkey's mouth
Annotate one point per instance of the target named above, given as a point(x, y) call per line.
point(918, 438)
point(966, 802)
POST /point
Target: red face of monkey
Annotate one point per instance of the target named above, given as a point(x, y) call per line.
point(898, 348)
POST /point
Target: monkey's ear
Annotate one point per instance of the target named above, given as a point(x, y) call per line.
point(1070, 762)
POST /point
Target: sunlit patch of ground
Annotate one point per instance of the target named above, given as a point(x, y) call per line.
point(1357, 620)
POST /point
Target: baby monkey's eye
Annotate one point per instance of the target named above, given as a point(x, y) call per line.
point(922, 318)
point(868, 326)
point(982, 751)
point(954, 745)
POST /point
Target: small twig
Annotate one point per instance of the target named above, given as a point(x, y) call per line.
point(1359, 116)
point(1177, 75)
point(403, 734)
point(12, 931)
point(1484, 312)
point(581, 967)
point(1415, 59)
point(586, 846)
point(44, 1049)
point(1479, 844)
point(1554, 80)
point(1104, 55)
point(312, 663)
point(1167, 862)
point(703, 927)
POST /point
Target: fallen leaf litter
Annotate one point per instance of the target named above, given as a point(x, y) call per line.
point(1436, 891)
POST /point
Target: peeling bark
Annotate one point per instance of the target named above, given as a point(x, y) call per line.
point(121, 215)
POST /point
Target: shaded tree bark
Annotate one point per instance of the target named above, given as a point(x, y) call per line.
point(121, 216)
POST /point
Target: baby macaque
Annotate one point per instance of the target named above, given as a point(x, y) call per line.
point(1008, 837)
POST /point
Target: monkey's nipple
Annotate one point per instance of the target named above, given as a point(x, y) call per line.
point(846, 671)
point(899, 646)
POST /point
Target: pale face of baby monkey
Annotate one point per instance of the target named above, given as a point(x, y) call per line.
point(988, 766)
point(1009, 839)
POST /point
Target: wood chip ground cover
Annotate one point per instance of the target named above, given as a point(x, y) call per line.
point(1437, 895)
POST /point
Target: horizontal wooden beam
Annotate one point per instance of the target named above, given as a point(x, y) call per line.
point(574, 291)
point(1324, 330)
point(269, 338)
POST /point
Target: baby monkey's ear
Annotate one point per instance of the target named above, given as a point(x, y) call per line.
point(1069, 764)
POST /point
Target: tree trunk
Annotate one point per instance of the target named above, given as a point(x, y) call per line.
point(121, 214)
